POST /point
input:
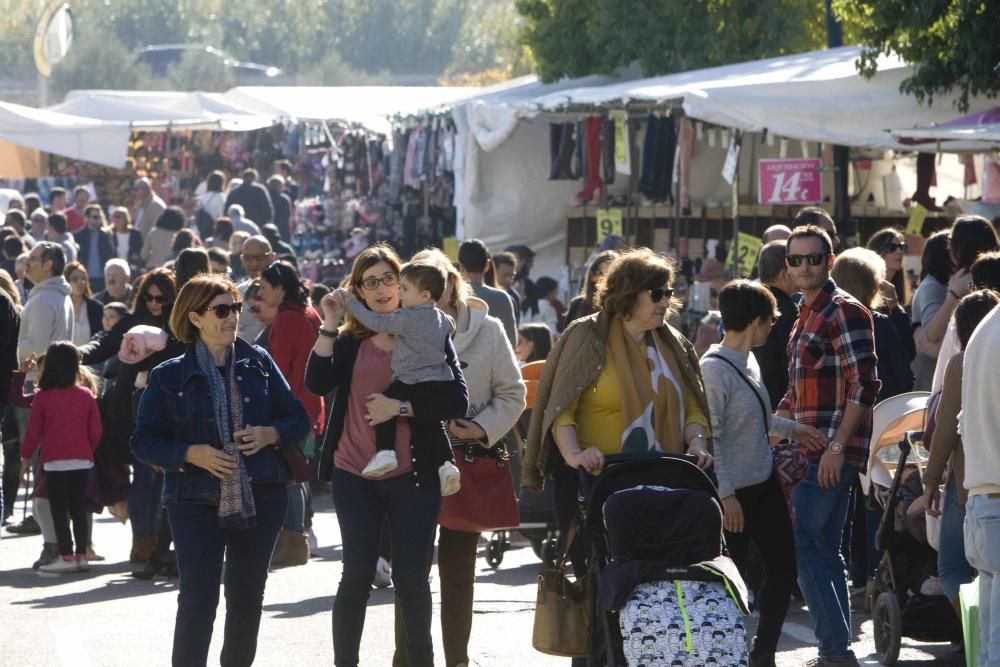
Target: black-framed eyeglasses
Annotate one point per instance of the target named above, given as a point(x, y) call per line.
point(813, 259)
point(388, 279)
point(223, 310)
point(893, 247)
point(657, 294)
point(158, 298)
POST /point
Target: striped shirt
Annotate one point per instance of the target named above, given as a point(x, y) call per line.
point(832, 362)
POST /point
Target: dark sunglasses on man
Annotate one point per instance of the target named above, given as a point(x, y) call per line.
point(813, 259)
point(223, 310)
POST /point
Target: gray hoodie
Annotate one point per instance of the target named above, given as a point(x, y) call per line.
point(46, 317)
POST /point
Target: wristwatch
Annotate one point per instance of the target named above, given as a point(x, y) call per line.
point(404, 408)
point(836, 447)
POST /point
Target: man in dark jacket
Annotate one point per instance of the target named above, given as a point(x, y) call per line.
point(282, 206)
point(253, 197)
point(772, 356)
point(96, 245)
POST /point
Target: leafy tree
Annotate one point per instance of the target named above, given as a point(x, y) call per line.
point(580, 37)
point(951, 43)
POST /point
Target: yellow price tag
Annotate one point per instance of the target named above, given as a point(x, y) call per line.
point(916, 222)
point(743, 255)
point(449, 246)
point(609, 223)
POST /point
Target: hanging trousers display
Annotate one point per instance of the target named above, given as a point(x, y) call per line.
point(658, 159)
point(593, 183)
point(685, 143)
point(562, 148)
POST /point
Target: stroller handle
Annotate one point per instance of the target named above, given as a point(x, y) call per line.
point(615, 459)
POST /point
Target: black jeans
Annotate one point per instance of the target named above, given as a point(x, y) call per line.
point(201, 543)
point(412, 511)
point(767, 523)
point(67, 492)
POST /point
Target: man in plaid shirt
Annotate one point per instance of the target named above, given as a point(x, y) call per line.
point(832, 386)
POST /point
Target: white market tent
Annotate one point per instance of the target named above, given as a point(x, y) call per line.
point(163, 110)
point(71, 136)
point(367, 106)
point(505, 196)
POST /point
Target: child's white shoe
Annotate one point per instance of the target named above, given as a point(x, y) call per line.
point(450, 479)
point(382, 463)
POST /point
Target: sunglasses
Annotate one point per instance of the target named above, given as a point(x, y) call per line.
point(813, 259)
point(223, 310)
point(893, 247)
point(657, 294)
point(159, 298)
point(388, 279)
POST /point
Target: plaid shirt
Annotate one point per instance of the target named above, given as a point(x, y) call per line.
point(831, 362)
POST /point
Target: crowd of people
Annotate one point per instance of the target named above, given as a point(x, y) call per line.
point(175, 368)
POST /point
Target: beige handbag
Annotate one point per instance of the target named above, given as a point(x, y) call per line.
point(563, 609)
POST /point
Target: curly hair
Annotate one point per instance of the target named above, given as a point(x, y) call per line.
point(630, 274)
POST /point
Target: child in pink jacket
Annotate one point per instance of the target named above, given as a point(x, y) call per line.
point(65, 427)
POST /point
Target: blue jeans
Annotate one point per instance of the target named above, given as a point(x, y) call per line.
point(820, 515)
point(412, 512)
point(953, 567)
point(144, 499)
point(982, 546)
point(295, 515)
point(201, 544)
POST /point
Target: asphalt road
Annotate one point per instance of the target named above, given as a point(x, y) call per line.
point(105, 618)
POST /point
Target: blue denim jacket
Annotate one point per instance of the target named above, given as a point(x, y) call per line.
point(176, 411)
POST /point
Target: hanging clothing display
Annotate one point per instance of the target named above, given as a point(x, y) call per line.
point(685, 146)
point(562, 149)
point(658, 158)
point(593, 183)
point(926, 179)
point(623, 143)
point(608, 150)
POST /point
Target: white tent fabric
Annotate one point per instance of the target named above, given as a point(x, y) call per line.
point(368, 106)
point(817, 96)
point(67, 135)
point(163, 110)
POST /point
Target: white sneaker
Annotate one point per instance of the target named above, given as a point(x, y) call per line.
point(313, 543)
point(383, 574)
point(450, 479)
point(381, 463)
point(61, 565)
point(82, 565)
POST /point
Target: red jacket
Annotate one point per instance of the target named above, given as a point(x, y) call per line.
point(65, 422)
point(292, 337)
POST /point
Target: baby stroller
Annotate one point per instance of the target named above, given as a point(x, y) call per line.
point(905, 600)
point(667, 591)
point(537, 510)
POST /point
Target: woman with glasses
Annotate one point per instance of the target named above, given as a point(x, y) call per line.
point(215, 419)
point(290, 341)
point(752, 499)
point(890, 244)
point(87, 311)
point(621, 380)
point(355, 362)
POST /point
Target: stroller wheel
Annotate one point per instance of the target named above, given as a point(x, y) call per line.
point(888, 622)
point(494, 553)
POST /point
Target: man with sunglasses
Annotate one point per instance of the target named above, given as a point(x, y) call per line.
point(832, 387)
point(257, 255)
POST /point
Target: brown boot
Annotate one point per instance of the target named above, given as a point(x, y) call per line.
point(142, 548)
point(292, 548)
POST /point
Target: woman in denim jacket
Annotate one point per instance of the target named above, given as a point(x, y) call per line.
point(215, 420)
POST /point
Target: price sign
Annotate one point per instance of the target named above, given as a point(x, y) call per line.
point(789, 181)
point(732, 161)
point(743, 255)
point(609, 223)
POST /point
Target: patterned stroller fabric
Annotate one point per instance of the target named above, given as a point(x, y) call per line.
point(682, 624)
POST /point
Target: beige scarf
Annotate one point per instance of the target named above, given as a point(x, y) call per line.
point(652, 395)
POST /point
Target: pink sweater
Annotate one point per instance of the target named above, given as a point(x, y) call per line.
point(65, 423)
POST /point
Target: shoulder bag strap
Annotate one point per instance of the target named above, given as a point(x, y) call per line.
point(753, 389)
